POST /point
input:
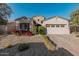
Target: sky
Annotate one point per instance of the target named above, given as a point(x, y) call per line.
point(42, 9)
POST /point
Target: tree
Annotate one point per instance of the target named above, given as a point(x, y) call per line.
point(75, 19)
point(3, 22)
point(5, 11)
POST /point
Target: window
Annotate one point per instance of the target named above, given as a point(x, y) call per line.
point(52, 25)
point(47, 25)
point(57, 25)
point(24, 26)
point(62, 25)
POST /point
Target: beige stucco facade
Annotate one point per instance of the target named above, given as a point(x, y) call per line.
point(38, 19)
point(57, 25)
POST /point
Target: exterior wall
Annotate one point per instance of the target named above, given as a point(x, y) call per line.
point(14, 25)
point(57, 30)
point(38, 19)
point(17, 25)
point(23, 23)
point(2, 27)
point(11, 26)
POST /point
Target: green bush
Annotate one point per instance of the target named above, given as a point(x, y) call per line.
point(41, 30)
point(23, 47)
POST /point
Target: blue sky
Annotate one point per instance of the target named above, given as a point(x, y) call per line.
point(44, 9)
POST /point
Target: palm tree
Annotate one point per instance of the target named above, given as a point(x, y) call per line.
point(75, 19)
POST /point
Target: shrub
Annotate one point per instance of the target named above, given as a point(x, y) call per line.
point(41, 30)
point(23, 47)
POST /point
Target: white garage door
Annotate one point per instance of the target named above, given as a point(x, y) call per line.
point(58, 29)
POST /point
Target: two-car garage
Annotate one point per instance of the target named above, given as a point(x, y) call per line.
point(57, 25)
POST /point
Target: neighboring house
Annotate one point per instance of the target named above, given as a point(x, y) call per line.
point(22, 23)
point(57, 25)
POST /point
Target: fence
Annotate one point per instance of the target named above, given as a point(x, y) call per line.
point(2, 29)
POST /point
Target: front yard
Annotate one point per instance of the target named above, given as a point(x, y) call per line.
point(36, 46)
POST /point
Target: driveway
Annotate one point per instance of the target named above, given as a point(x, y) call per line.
point(68, 42)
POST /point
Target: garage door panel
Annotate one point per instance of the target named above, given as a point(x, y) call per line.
point(57, 31)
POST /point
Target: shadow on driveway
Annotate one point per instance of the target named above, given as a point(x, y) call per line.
point(35, 49)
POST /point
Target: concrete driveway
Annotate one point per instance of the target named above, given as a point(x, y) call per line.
point(68, 42)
